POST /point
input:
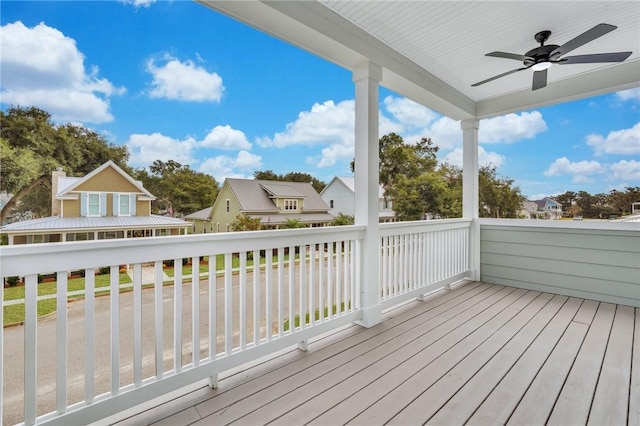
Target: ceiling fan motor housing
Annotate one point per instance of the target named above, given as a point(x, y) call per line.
point(539, 54)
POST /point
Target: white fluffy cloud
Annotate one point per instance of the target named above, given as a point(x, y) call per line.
point(630, 94)
point(511, 127)
point(626, 170)
point(43, 67)
point(624, 142)
point(183, 81)
point(408, 113)
point(581, 171)
point(145, 149)
point(139, 3)
point(484, 158)
point(326, 123)
point(223, 166)
point(225, 137)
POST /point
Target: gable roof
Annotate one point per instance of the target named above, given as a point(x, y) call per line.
point(258, 195)
point(69, 184)
point(350, 184)
point(204, 214)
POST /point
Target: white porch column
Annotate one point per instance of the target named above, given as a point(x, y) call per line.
point(367, 171)
point(470, 190)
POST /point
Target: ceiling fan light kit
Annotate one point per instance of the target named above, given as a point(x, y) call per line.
point(542, 57)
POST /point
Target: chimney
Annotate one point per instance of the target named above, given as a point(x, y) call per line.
point(56, 205)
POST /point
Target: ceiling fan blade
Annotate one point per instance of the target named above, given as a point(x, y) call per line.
point(507, 55)
point(539, 79)
point(498, 76)
point(584, 38)
point(595, 58)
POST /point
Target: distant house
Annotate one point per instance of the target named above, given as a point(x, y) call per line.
point(541, 209)
point(273, 202)
point(201, 221)
point(339, 194)
point(105, 204)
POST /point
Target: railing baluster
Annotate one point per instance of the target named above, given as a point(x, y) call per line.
point(256, 297)
point(157, 290)
point(312, 284)
point(330, 263)
point(89, 331)
point(321, 283)
point(61, 342)
point(280, 290)
point(291, 308)
point(269, 293)
point(137, 324)
point(177, 315)
point(345, 272)
point(243, 299)
point(213, 303)
point(338, 272)
point(228, 303)
point(114, 297)
point(195, 310)
point(30, 348)
point(303, 286)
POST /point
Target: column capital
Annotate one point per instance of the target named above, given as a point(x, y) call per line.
point(471, 123)
point(369, 70)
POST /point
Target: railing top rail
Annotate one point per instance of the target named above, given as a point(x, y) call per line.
point(423, 225)
point(48, 257)
point(591, 225)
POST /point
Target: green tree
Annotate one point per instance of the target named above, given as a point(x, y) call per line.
point(246, 223)
point(621, 201)
point(293, 223)
point(343, 219)
point(498, 196)
point(317, 184)
point(178, 189)
point(31, 146)
point(568, 202)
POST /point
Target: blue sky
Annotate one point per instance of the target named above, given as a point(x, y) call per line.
point(175, 80)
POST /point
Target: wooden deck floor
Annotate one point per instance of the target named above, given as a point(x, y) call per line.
point(479, 354)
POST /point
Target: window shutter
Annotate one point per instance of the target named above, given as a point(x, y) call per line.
point(132, 204)
point(103, 204)
point(116, 204)
point(83, 204)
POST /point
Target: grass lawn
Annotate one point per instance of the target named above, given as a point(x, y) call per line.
point(15, 313)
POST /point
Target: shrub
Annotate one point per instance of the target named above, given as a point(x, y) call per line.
point(13, 281)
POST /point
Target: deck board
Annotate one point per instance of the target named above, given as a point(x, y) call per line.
point(480, 354)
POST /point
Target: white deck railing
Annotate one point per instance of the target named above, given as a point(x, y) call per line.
point(275, 289)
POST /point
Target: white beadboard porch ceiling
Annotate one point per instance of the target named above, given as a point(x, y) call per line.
point(432, 51)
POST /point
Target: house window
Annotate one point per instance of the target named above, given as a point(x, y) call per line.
point(125, 205)
point(331, 203)
point(228, 227)
point(291, 204)
point(218, 227)
point(79, 236)
point(228, 205)
point(93, 204)
point(110, 235)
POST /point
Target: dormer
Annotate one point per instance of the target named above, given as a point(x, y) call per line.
point(287, 198)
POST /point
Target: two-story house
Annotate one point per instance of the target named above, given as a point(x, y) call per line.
point(105, 204)
point(339, 194)
point(273, 202)
point(541, 209)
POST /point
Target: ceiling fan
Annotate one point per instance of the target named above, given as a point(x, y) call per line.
point(541, 58)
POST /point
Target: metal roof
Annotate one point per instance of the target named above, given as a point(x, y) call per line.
point(55, 223)
point(433, 51)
